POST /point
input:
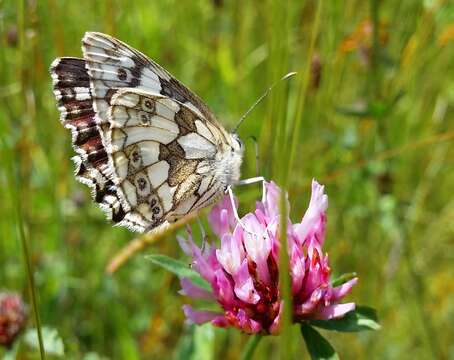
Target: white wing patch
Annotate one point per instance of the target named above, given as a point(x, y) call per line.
point(204, 184)
point(196, 146)
point(149, 152)
point(204, 131)
point(127, 99)
point(167, 108)
point(122, 138)
point(122, 117)
point(158, 173)
point(130, 192)
point(185, 206)
point(203, 168)
point(121, 163)
point(150, 80)
point(166, 193)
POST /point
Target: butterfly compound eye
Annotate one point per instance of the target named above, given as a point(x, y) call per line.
point(237, 142)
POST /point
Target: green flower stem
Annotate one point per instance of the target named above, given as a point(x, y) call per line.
point(31, 282)
point(251, 345)
point(285, 339)
point(22, 234)
point(15, 182)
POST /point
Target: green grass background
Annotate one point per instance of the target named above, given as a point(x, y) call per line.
point(376, 128)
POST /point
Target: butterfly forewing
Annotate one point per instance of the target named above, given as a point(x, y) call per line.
point(113, 64)
point(150, 149)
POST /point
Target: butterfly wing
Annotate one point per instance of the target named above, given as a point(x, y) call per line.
point(88, 92)
point(113, 64)
point(163, 154)
point(71, 84)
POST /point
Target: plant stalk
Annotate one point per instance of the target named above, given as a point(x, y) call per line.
point(285, 339)
point(250, 347)
point(30, 280)
point(17, 182)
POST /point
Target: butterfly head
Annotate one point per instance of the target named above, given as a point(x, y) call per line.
point(236, 157)
point(237, 144)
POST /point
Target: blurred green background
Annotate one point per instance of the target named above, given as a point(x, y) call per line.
point(370, 115)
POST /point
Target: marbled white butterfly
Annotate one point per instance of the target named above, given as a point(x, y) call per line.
point(149, 148)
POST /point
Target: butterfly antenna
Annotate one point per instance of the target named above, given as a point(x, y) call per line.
point(259, 100)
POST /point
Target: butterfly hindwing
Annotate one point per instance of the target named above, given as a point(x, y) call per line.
point(161, 153)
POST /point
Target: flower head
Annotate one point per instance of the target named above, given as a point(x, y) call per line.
point(13, 316)
point(243, 272)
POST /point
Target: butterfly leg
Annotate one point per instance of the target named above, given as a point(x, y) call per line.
point(202, 229)
point(235, 212)
point(232, 201)
point(254, 180)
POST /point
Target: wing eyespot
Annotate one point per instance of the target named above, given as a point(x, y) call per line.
point(145, 118)
point(148, 105)
point(142, 183)
point(122, 74)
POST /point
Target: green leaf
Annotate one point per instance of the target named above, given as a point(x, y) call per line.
point(53, 344)
point(319, 348)
point(179, 268)
point(360, 319)
point(343, 279)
